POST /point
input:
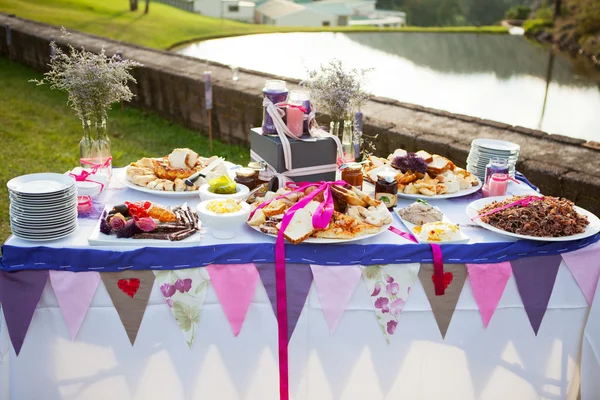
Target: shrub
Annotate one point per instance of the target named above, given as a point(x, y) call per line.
point(518, 12)
point(533, 26)
point(544, 13)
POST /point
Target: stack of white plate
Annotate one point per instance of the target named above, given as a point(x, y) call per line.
point(485, 150)
point(43, 206)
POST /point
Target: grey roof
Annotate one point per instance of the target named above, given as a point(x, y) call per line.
point(330, 8)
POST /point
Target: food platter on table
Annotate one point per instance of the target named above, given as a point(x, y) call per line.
point(146, 223)
point(428, 224)
point(422, 174)
point(166, 176)
point(356, 215)
point(583, 231)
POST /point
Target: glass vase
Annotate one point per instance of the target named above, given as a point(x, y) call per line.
point(343, 130)
point(86, 145)
point(102, 149)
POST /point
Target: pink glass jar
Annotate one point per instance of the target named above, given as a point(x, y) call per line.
point(498, 185)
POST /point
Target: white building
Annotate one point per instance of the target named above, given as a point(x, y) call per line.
point(239, 10)
point(288, 13)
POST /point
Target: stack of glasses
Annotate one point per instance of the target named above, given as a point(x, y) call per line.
point(43, 206)
point(485, 150)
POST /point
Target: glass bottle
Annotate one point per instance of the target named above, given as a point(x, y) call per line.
point(277, 92)
point(86, 145)
point(353, 175)
point(295, 114)
point(247, 177)
point(102, 149)
point(347, 141)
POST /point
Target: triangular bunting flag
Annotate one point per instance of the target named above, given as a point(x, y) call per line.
point(443, 306)
point(184, 291)
point(74, 292)
point(20, 293)
point(129, 292)
point(389, 287)
point(584, 264)
point(298, 278)
point(535, 278)
point(235, 285)
point(488, 282)
point(335, 286)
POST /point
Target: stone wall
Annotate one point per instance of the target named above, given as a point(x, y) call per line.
point(173, 86)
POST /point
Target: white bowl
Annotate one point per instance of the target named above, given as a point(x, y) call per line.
point(223, 226)
point(241, 192)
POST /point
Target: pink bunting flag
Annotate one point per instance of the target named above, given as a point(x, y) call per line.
point(335, 285)
point(488, 282)
point(74, 292)
point(584, 265)
point(535, 277)
point(235, 285)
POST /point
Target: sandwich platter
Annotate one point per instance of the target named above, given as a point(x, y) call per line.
point(460, 193)
point(314, 240)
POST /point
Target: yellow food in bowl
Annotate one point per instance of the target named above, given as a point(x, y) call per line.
point(223, 206)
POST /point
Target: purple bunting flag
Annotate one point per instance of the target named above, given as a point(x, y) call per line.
point(20, 293)
point(298, 278)
point(535, 278)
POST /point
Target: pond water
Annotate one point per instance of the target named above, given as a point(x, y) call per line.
point(498, 77)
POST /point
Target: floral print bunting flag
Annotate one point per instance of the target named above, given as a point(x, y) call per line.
point(389, 287)
point(184, 291)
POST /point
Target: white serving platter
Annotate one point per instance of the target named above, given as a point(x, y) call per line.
point(411, 228)
point(98, 238)
point(330, 241)
point(474, 207)
point(460, 193)
point(121, 176)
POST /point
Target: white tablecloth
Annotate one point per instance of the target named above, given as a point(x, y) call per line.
point(505, 361)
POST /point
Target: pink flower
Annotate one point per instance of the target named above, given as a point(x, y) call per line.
point(170, 303)
point(377, 289)
point(391, 327)
point(146, 224)
point(392, 288)
point(167, 290)
point(396, 307)
point(388, 278)
point(382, 303)
point(183, 285)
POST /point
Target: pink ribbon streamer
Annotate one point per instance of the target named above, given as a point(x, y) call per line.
point(83, 176)
point(320, 220)
point(438, 261)
point(523, 202)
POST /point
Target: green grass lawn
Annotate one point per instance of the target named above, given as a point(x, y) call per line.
point(164, 26)
point(40, 133)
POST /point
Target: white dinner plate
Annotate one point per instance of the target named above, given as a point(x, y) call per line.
point(42, 231)
point(42, 220)
point(460, 193)
point(43, 210)
point(45, 238)
point(121, 176)
point(496, 145)
point(330, 241)
point(592, 228)
point(42, 183)
point(411, 228)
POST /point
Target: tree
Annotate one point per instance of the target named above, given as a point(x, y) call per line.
point(133, 5)
point(147, 7)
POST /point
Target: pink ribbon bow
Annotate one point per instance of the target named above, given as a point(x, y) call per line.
point(523, 202)
point(83, 176)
